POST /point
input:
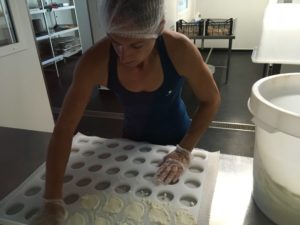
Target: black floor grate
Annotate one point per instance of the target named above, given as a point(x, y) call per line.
point(232, 126)
point(214, 124)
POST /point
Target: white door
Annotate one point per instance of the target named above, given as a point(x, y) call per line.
point(24, 101)
point(97, 31)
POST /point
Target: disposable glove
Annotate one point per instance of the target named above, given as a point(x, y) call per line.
point(52, 213)
point(173, 165)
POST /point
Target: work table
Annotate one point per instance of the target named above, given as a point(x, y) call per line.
point(232, 202)
point(22, 151)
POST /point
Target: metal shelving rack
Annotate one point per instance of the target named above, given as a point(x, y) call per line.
point(55, 40)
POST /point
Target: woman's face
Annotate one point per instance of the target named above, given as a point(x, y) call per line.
point(132, 51)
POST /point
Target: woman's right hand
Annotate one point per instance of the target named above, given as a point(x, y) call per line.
point(52, 213)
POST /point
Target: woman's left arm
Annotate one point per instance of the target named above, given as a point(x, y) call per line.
point(189, 63)
point(201, 81)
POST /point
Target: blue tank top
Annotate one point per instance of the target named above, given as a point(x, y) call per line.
point(157, 117)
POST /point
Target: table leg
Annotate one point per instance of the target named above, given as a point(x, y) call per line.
point(228, 60)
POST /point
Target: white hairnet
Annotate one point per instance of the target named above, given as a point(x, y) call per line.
point(132, 18)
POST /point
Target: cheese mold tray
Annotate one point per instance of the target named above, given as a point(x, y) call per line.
point(111, 182)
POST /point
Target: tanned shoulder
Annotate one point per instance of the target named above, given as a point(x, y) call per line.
point(180, 49)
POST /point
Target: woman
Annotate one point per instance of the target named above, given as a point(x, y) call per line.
point(145, 66)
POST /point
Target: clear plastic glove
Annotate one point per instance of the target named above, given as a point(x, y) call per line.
point(173, 165)
point(53, 213)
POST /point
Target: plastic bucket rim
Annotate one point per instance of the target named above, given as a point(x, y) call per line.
point(256, 96)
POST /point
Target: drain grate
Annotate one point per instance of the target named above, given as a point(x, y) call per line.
point(96, 114)
point(232, 126)
point(214, 124)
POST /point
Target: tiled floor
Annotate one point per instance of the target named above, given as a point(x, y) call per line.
point(104, 114)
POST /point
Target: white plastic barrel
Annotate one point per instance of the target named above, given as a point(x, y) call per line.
point(275, 106)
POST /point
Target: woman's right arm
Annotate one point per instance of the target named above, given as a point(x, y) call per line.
point(86, 77)
point(75, 102)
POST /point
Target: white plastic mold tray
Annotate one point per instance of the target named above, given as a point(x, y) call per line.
point(110, 182)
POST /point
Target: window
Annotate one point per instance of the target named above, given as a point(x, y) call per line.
point(182, 5)
point(7, 32)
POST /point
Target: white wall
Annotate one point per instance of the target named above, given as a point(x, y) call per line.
point(172, 15)
point(24, 101)
point(189, 13)
point(249, 14)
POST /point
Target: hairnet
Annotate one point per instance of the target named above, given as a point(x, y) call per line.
point(132, 18)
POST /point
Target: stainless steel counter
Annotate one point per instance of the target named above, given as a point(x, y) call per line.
point(232, 202)
point(21, 153)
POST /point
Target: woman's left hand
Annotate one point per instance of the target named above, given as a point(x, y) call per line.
point(173, 165)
